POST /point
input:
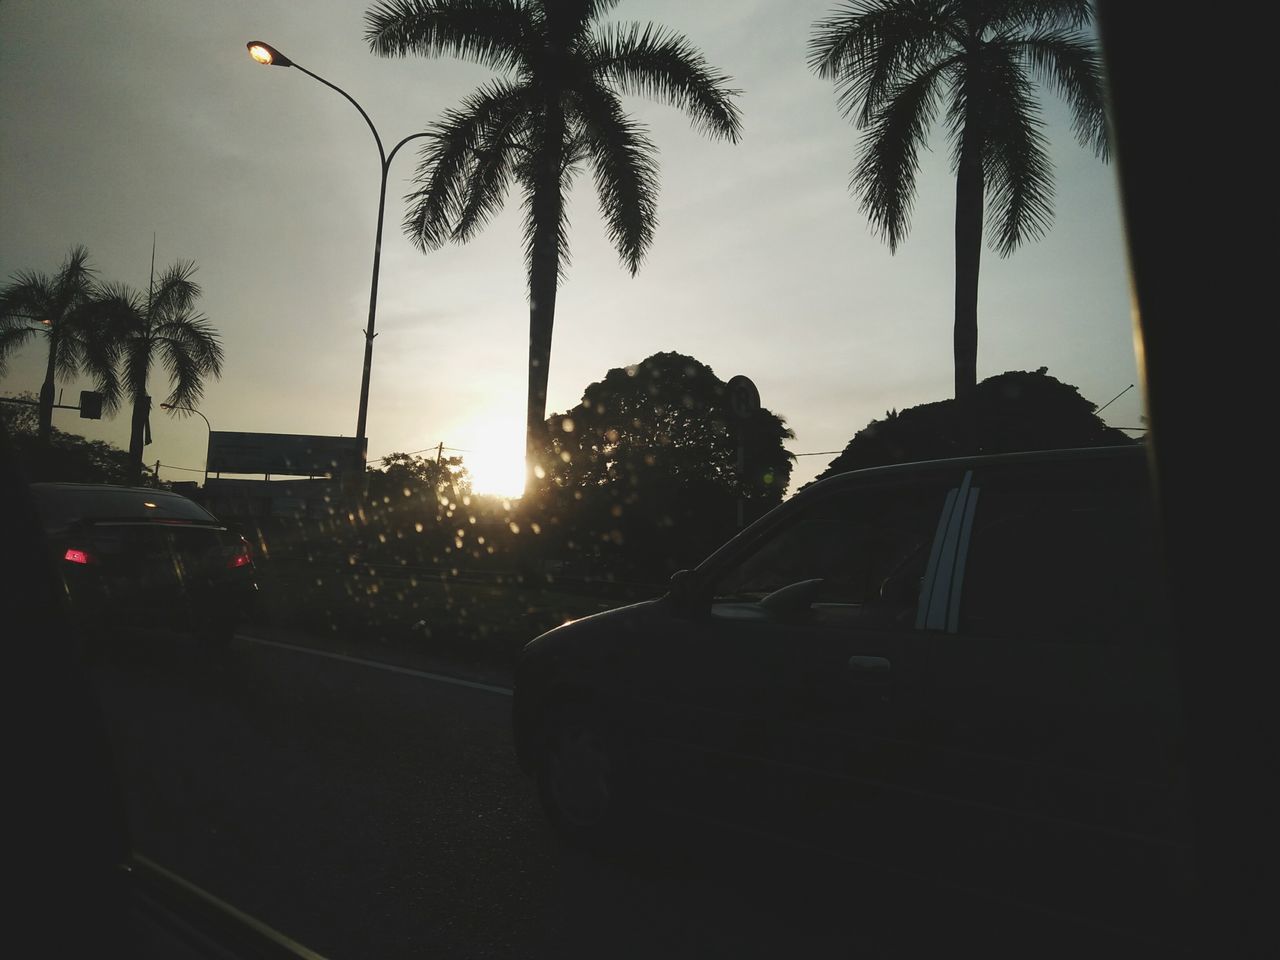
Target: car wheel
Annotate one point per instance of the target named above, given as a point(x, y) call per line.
point(580, 776)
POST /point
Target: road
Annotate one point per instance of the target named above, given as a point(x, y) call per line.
point(372, 812)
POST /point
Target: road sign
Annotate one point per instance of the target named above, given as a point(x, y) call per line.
point(744, 398)
point(90, 405)
point(289, 454)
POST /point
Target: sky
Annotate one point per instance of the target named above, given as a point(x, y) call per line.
point(121, 120)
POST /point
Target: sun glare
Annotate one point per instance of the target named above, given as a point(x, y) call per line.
point(494, 455)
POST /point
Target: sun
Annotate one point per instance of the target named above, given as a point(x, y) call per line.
point(493, 453)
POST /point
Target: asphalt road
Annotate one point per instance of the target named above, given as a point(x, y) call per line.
point(379, 813)
point(374, 813)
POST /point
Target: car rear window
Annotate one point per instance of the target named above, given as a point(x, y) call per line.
point(60, 506)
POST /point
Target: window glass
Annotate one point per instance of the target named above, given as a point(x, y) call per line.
point(61, 505)
point(1061, 556)
point(869, 547)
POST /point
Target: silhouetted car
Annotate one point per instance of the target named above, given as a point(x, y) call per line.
point(133, 556)
point(956, 669)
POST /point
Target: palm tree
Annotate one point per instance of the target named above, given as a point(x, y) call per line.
point(162, 327)
point(60, 308)
point(556, 108)
point(896, 62)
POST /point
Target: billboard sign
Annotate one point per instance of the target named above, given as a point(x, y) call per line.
point(290, 454)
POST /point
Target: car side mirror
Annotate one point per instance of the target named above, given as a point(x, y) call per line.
point(792, 601)
point(682, 591)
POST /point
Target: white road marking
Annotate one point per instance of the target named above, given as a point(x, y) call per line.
point(378, 665)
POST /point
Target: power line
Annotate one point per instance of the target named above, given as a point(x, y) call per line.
point(170, 466)
point(410, 453)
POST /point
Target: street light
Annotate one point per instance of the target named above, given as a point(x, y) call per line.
point(269, 56)
point(177, 406)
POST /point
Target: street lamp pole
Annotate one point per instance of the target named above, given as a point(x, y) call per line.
point(266, 54)
point(174, 406)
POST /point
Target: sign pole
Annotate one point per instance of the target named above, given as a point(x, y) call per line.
point(744, 403)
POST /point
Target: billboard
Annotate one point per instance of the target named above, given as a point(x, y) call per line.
point(294, 454)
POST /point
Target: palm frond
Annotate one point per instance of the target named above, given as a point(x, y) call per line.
point(1069, 65)
point(885, 177)
point(490, 170)
point(448, 159)
point(185, 380)
point(626, 174)
point(12, 339)
point(493, 33)
point(28, 298)
point(566, 21)
point(869, 47)
point(102, 352)
point(1039, 14)
point(652, 62)
point(73, 284)
point(1015, 160)
point(537, 205)
point(175, 292)
point(118, 328)
point(68, 353)
point(197, 338)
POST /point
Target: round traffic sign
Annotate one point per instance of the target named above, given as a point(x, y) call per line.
point(744, 398)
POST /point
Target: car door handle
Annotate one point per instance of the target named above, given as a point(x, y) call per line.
point(869, 664)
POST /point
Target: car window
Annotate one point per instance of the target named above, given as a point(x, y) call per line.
point(1063, 556)
point(869, 547)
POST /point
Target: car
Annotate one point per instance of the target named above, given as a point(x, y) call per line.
point(958, 670)
point(142, 557)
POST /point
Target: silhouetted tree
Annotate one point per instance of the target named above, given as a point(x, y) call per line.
point(1017, 411)
point(556, 109)
point(62, 456)
point(62, 309)
point(400, 472)
point(160, 326)
point(643, 472)
point(896, 62)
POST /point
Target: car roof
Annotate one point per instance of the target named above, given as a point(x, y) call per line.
point(1128, 451)
point(117, 487)
point(1135, 452)
point(60, 503)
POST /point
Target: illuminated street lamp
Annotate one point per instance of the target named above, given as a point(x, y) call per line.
point(268, 55)
point(178, 406)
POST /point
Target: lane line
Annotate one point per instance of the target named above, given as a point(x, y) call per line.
point(378, 665)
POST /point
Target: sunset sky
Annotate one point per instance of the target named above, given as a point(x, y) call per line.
point(124, 119)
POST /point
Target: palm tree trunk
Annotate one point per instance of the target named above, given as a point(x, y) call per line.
point(141, 409)
point(45, 410)
point(970, 187)
point(544, 275)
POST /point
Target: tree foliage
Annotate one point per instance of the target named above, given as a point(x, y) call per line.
point(1017, 411)
point(420, 476)
point(642, 475)
point(67, 457)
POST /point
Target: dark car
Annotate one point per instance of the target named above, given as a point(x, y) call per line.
point(958, 670)
point(139, 557)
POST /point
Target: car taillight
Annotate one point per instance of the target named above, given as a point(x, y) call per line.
point(76, 556)
point(243, 555)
